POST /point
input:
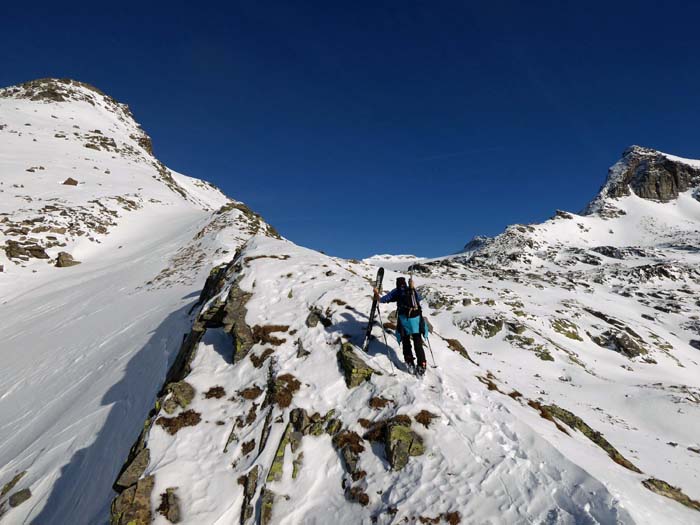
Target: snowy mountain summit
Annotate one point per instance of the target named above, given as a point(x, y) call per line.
point(649, 174)
point(198, 368)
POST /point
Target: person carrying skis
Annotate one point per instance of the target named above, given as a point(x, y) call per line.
point(410, 323)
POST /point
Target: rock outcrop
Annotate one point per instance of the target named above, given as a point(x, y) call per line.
point(133, 506)
point(401, 442)
point(20, 497)
point(355, 370)
point(649, 174)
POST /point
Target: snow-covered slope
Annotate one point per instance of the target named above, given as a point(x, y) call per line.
point(86, 347)
point(565, 390)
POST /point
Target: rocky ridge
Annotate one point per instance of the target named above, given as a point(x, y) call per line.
point(547, 322)
point(76, 163)
point(102, 250)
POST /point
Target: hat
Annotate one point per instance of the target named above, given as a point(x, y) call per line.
point(400, 282)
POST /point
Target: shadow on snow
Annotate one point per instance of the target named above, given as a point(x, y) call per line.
point(83, 491)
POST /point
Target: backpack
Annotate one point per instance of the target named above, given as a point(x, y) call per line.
point(407, 303)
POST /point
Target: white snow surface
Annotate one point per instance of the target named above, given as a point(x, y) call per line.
point(489, 457)
point(86, 349)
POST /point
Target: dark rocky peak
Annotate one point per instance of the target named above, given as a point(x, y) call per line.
point(648, 173)
point(53, 90)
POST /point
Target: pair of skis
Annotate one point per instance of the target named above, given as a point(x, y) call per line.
point(373, 311)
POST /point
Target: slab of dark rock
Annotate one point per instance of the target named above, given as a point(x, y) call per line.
point(135, 470)
point(133, 506)
point(20, 497)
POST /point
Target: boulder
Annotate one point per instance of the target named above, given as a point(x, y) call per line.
point(566, 328)
point(621, 342)
point(181, 395)
point(349, 445)
point(20, 497)
point(356, 371)
point(134, 471)
point(552, 412)
point(170, 505)
point(313, 319)
point(401, 443)
point(316, 316)
point(70, 181)
point(301, 351)
point(24, 251)
point(133, 506)
point(65, 259)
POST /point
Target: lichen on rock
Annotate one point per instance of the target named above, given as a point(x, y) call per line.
point(7, 487)
point(401, 442)
point(267, 502)
point(664, 489)
point(487, 327)
point(355, 370)
point(566, 328)
point(134, 471)
point(181, 395)
point(552, 412)
point(133, 506)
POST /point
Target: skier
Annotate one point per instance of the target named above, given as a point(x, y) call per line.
point(410, 323)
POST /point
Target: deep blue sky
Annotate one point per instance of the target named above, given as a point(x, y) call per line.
point(371, 127)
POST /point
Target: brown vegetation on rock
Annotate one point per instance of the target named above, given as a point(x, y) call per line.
point(263, 334)
point(171, 425)
point(425, 418)
point(379, 402)
point(285, 386)
point(216, 392)
point(259, 360)
point(250, 393)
